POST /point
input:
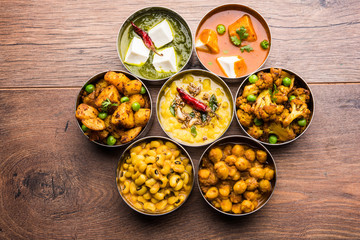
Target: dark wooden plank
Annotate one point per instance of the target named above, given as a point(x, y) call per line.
point(55, 184)
point(66, 42)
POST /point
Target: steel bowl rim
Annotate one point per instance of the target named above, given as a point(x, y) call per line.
point(155, 138)
point(262, 147)
point(172, 78)
point(312, 99)
point(94, 78)
point(140, 11)
point(266, 27)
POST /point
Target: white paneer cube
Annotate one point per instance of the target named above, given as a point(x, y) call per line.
point(201, 46)
point(232, 65)
point(167, 62)
point(161, 34)
point(137, 53)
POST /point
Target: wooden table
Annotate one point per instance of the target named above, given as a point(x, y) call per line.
point(54, 184)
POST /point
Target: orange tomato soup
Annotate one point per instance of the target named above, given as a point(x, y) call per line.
point(253, 59)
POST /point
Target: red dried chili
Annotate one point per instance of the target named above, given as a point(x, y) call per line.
point(146, 38)
point(193, 102)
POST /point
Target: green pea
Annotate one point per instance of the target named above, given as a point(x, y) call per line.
point(221, 29)
point(264, 44)
point(124, 99)
point(84, 128)
point(302, 122)
point(251, 98)
point(253, 78)
point(292, 97)
point(110, 140)
point(143, 90)
point(135, 106)
point(89, 88)
point(258, 122)
point(286, 81)
point(102, 115)
point(273, 139)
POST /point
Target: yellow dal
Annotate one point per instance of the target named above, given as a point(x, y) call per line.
point(212, 131)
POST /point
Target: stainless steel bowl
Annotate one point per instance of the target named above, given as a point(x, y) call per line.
point(126, 153)
point(238, 139)
point(205, 74)
point(142, 12)
point(96, 78)
point(232, 7)
point(298, 82)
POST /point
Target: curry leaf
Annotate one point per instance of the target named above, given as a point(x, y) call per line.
point(193, 131)
point(213, 103)
point(172, 109)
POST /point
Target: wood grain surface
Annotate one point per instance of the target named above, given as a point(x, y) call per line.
point(55, 184)
point(63, 43)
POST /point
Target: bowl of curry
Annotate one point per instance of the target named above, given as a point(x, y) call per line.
point(155, 176)
point(232, 41)
point(114, 108)
point(195, 107)
point(274, 106)
point(237, 175)
point(154, 43)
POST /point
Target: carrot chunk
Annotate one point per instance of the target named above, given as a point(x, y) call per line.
point(244, 21)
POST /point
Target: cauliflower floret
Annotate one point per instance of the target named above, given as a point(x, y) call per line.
point(279, 117)
point(250, 89)
point(265, 81)
point(301, 93)
point(255, 131)
point(280, 95)
point(283, 134)
point(276, 74)
point(244, 118)
point(243, 104)
point(261, 101)
point(281, 92)
point(298, 109)
point(264, 108)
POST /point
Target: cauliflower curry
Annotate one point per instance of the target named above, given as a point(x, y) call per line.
point(272, 108)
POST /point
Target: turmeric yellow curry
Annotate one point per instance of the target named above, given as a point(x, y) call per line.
point(195, 110)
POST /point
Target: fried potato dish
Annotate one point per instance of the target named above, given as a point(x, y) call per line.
point(113, 110)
